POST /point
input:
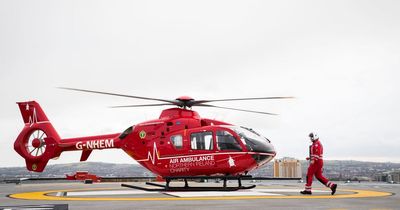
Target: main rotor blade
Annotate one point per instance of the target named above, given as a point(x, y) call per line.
point(139, 105)
point(240, 99)
point(116, 94)
point(242, 110)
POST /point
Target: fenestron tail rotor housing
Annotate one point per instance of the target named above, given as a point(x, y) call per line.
point(35, 144)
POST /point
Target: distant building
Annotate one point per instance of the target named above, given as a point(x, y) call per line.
point(389, 176)
point(287, 168)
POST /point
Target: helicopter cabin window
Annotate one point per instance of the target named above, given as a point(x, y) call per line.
point(226, 141)
point(177, 141)
point(201, 140)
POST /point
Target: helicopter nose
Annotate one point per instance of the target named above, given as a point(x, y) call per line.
point(270, 149)
point(264, 147)
point(265, 151)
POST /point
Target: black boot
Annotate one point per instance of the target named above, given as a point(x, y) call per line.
point(306, 192)
point(333, 188)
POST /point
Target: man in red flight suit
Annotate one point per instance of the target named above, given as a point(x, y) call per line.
point(316, 166)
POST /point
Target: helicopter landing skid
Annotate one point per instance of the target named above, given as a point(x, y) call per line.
point(167, 186)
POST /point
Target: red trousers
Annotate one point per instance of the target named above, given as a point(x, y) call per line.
point(316, 169)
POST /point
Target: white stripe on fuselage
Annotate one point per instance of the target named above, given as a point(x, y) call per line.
point(153, 156)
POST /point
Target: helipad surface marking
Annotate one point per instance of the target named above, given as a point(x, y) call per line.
point(281, 190)
point(44, 195)
point(219, 194)
point(108, 192)
point(250, 192)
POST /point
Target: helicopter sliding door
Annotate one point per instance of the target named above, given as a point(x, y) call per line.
point(177, 144)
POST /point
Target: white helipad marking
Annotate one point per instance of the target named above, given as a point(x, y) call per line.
point(59, 194)
point(221, 193)
point(284, 190)
point(251, 192)
point(109, 192)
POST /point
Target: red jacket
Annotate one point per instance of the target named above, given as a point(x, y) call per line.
point(316, 150)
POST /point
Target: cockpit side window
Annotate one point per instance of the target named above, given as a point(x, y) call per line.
point(177, 141)
point(202, 140)
point(226, 141)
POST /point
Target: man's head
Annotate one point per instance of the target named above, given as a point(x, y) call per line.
point(313, 136)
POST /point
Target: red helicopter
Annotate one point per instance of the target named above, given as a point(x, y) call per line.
point(178, 145)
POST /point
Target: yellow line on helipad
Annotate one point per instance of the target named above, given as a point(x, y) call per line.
point(43, 195)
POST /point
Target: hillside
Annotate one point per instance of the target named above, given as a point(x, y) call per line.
point(335, 169)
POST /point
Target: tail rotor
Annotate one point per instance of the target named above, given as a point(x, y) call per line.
point(36, 144)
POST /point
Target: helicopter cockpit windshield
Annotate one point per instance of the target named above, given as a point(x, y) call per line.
point(253, 141)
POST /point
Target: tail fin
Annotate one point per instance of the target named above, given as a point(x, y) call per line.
point(38, 141)
point(32, 112)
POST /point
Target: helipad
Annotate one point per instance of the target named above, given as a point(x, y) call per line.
point(271, 195)
point(123, 194)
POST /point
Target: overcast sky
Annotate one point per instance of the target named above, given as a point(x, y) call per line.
point(340, 59)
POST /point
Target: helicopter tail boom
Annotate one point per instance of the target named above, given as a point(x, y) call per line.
point(90, 143)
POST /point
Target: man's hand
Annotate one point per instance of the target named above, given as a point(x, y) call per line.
point(312, 162)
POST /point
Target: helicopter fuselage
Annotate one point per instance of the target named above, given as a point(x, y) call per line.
point(178, 143)
point(181, 143)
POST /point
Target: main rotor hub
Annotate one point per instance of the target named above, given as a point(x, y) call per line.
point(185, 101)
point(185, 98)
